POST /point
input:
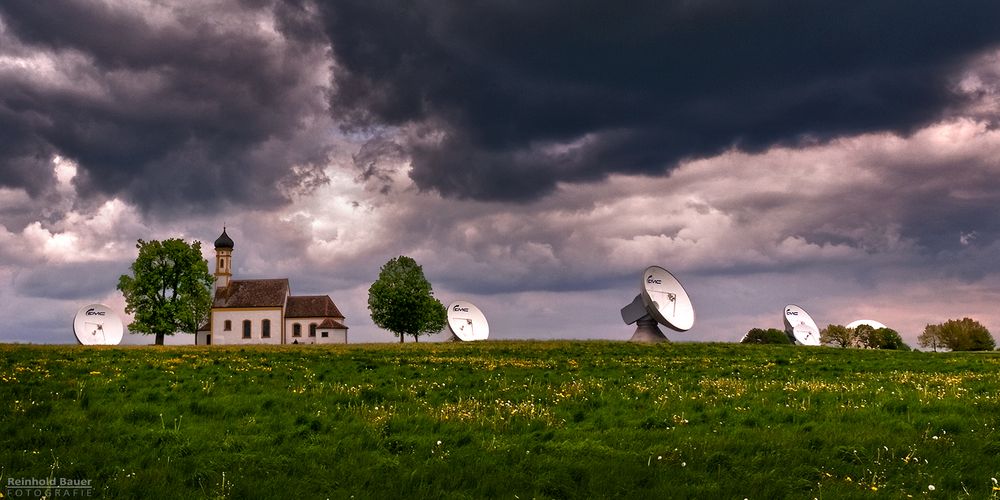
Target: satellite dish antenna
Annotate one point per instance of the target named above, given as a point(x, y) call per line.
point(97, 324)
point(870, 322)
point(467, 322)
point(800, 326)
point(661, 300)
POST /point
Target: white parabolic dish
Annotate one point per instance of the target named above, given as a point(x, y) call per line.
point(870, 322)
point(801, 325)
point(97, 324)
point(467, 322)
point(666, 300)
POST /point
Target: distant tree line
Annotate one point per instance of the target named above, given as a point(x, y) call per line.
point(964, 334)
point(954, 335)
point(768, 336)
point(863, 336)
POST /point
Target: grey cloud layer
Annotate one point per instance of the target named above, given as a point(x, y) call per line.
point(867, 208)
point(526, 94)
point(168, 107)
point(203, 104)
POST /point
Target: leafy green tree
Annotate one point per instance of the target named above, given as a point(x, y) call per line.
point(930, 338)
point(879, 338)
point(838, 335)
point(769, 336)
point(169, 288)
point(891, 339)
point(965, 334)
point(401, 300)
point(864, 336)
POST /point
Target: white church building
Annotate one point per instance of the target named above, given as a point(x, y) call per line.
point(264, 311)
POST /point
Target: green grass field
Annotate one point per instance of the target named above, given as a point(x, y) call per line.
point(503, 419)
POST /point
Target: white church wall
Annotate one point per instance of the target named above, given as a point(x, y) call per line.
point(332, 336)
point(236, 317)
point(303, 323)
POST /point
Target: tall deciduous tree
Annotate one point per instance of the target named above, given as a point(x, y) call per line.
point(837, 335)
point(169, 288)
point(930, 338)
point(965, 334)
point(401, 300)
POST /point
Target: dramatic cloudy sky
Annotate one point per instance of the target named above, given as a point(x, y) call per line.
point(534, 157)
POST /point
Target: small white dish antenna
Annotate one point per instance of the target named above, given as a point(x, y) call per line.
point(800, 326)
point(870, 322)
point(661, 300)
point(97, 324)
point(467, 322)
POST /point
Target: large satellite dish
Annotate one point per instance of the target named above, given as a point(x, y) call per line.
point(97, 324)
point(661, 300)
point(870, 322)
point(467, 322)
point(800, 326)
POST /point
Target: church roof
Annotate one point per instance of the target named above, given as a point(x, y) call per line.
point(329, 323)
point(312, 306)
point(252, 293)
point(224, 240)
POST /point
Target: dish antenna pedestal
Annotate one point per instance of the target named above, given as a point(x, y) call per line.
point(661, 300)
point(646, 328)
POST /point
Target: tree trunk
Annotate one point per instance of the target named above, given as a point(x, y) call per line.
point(159, 339)
point(401, 336)
point(416, 338)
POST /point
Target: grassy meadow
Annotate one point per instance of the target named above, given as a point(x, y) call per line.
point(503, 419)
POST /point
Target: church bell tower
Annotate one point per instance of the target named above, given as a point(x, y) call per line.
point(223, 260)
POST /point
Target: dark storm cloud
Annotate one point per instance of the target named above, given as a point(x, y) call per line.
point(370, 161)
point(527, 94)
point(171, 109)
point(76, 281)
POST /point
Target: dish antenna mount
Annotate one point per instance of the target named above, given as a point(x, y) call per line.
point(467, 322)
point(97, 324)
point(662, 300)
point(800, 326)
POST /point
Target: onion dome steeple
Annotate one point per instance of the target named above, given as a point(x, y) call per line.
point(224, 240)
point(223, 260)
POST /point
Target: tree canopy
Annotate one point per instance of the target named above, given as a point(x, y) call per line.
point(838, 335)
point(965, 334)
point(769, 336)
point(864, 336)
point(169, 290)
point(879, 338)
point(401, 300)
